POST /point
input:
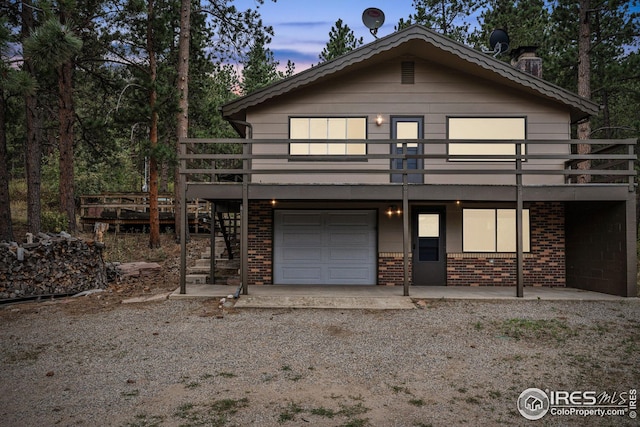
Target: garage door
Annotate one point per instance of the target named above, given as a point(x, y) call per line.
point(328, 247)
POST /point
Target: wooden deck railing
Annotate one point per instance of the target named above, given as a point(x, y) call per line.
point(611, 161)
point(132, 209)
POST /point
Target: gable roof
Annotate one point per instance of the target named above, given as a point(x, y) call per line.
point(418, 41)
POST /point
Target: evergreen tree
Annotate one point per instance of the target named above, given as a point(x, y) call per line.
point(525, 21)
point(12, 82)
point(33, 126)
point(53, 46)
point(260, 68)
point(182, 118)
point(341, 41)
point(448, 17)
point(232, 30)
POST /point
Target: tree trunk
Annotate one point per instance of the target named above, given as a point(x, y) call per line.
point(163, 186)
point(154, 218)
point(584, 83)
point(33, 149)
point(6, 231)
point(66, 117)
point(183, 106)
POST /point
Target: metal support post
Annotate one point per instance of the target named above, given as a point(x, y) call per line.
point(406, 239)
point(212, 246)
point(519, 227)
point(185, 223)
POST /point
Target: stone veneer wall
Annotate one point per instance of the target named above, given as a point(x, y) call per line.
point(543, 266)
point(260, 263)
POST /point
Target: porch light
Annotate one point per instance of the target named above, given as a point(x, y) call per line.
point(379, 120)
point(393, 210)
point(273, 202)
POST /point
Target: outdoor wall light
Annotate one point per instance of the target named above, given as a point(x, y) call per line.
point(273, 202)
point(393, 210)
point(379, 120)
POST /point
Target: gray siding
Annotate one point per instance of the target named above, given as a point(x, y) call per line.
point(436, 94)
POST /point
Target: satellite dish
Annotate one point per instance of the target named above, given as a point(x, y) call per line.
point(373, 18)
point(499, 41)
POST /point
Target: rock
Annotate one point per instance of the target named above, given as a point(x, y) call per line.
point(138, 268)
point(89, 292)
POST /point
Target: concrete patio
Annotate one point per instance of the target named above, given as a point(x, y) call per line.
point(381, 297)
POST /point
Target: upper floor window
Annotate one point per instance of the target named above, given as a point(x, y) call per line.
point(328, 128)
point(485, 128)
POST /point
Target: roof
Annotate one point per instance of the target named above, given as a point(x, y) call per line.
point(422, 42)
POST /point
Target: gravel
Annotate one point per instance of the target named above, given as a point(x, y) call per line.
point(181, 362)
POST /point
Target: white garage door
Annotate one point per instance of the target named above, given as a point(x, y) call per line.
point(328, 247)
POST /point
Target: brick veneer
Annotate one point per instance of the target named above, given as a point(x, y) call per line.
point(391, 269)
point(260, 237)
point(543, 266)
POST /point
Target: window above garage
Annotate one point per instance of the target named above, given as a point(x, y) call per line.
point(327, 128)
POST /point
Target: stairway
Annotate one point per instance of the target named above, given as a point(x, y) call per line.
point(227, 270)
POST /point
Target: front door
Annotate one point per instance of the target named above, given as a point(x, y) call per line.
point(406, 128)
point(429, 257)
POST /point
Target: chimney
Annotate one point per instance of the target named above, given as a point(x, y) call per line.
point(525, 59)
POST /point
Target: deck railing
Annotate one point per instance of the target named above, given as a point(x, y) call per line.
point(132, 209)
point(610, 161)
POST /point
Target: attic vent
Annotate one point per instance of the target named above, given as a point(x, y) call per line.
point(408, 72)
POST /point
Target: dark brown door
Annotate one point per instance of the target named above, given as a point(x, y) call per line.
point(407, 129)
point(429, 257)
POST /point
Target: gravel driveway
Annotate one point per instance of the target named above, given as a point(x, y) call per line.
point(177, 362)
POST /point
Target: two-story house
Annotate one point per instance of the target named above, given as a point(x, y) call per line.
point(418, 161)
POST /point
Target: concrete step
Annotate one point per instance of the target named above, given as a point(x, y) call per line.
point(228, 263)
point(202, 263)
point(197, 279)
point(198, 270)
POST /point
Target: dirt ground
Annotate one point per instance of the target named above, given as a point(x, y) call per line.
point(193, 363)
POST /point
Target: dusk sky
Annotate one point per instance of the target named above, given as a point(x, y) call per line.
point(302, 27)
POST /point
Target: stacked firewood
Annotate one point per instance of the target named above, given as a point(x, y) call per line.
point(51, 264)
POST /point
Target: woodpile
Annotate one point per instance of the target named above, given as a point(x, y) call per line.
point(51, 264)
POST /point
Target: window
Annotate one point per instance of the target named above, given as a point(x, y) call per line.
point(339, 128)
point(493, 230)
point(485, 128)
point(428, 237)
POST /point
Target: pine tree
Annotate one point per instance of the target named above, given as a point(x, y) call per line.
point(182, 119)
point(53, 45)
point(526, 22)
point(341, 41)
point(260, 68)
point(448, 17)
point(7, 82)
point(33, 127)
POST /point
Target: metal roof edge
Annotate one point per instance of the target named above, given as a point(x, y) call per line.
point(414, 32)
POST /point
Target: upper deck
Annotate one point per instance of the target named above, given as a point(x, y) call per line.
point(425, 169)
